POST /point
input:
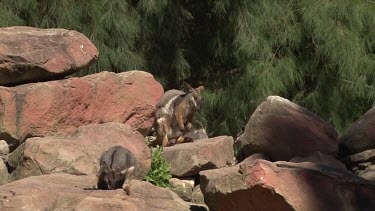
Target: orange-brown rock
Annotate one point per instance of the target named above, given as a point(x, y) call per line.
point(263, 185)
point(282, 130)
point(71, 192)
point(78, 153)
point(57, 108)
point(189, 159)
point(360, 136)
point(30, 54)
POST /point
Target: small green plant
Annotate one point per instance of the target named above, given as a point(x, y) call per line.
point(159, 174)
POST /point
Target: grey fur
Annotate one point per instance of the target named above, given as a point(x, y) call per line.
point(116, 167)
point(166, 125)
point(167, 96)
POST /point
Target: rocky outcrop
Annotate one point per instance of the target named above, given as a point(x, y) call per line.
point(360, 136)
point(363, 164)
point(282, 130)
point(262, 185)
point(30, 54)
point(4, 150)
point(3, 173)
point(357, 146)
point(183, 188)
point(320, 159)
point(197, 195)
point(71, 192)
point(189, 159)
point(78, 153)
point(58, 107)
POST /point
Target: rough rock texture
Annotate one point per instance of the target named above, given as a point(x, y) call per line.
point(360, 136)
point(282, 130)
point(190, 158)
point(3, 173)
point(321, 159)
point(183, 188)
point(197, 196)
point(255, 157)
point(262, 185)
point(363, 164)
point(357, 146)
point(4, 148)
point(30, 54)
point(69, 192)
point(79, 153)
point(58, 107)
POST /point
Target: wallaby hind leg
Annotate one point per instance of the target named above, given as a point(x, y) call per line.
point(162, 130)
point(126, 185)
point(95, 187)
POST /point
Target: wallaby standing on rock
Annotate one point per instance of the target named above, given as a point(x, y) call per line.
point(174, 114)
point(116, 167)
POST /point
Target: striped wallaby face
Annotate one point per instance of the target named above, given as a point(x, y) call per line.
point(195, 96)
point(110, 177)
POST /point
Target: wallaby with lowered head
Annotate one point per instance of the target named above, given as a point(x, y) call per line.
point(116, 168)
point(174, 114)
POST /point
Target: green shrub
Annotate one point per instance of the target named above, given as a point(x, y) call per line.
point(159, 174)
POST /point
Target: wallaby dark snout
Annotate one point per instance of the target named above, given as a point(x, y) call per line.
point(116, 168)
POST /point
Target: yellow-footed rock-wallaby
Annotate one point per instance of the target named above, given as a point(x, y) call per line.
point(116, 169)
point(174, 114)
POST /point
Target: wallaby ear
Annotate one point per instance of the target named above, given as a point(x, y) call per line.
point(199, 89)
point(188, 87)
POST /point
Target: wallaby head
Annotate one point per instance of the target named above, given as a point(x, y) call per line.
point(116, 167)
point(111, 177)
point(195, 96)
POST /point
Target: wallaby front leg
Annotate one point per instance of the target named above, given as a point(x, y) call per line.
point(126, 185)
point(179, 114)
point(188, 127)
point(95, 187)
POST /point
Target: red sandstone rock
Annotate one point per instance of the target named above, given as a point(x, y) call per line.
point(360, 136)
point(30, 54)
point(57, 108)
point(78, 153)
point(262, 185)
point(189, 159)
point(282, 130)
point(69, 192)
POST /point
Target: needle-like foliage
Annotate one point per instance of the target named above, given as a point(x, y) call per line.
point(319, 54)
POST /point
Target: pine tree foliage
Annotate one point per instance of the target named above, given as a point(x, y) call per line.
point(319, 54)
point(165, 29)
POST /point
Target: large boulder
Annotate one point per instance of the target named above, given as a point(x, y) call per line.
point(363, 164)
point(282, 130)
point(71, 192)
point(360, 136)
point(30, 54)
point(183, 188)
point(78, 153)
point(357, 146)
point(4, 149)
point(57, 108)
point(197, 195)
point(321, 159)
point(188, 159)
point(3, 173)
point(262, 185)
